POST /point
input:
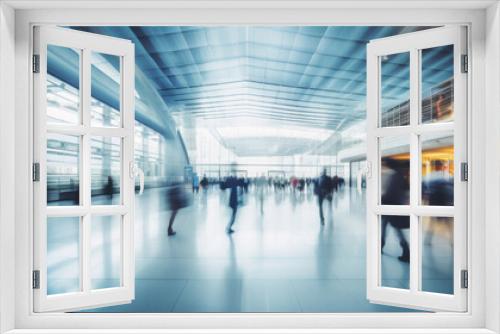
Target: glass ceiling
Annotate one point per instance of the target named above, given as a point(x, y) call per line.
point(215, 77)
point(306, 75)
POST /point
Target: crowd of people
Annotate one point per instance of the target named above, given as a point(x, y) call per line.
point(179, 195)
point(437, 190)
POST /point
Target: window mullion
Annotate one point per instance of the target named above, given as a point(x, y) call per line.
point(86, 170)
point(127, 179)
point(85, 257)
point(414, 170)
point(85, 96)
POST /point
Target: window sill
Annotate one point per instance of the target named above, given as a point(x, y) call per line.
point(253, 331)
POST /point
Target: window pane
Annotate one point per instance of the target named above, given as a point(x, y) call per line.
point(395, 90)
point(395, 249)
point(437, 254)
point(106, 170)
point(63, 85)
point(395, 170)
point(437, 84)
point(105, 100)
point(63, 255)
point(106, 252)
point(63, 180)
point(437, 168)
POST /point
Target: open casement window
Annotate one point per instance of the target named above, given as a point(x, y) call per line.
point(416, 144)
point(83, 170)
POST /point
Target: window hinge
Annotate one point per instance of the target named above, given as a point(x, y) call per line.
point(36, 279)
point(36, 63)
point(464, 167)
point(465, 63)
point(36, 172)
point(464, 284)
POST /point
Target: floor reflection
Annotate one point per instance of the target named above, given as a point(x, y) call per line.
point(280, 260)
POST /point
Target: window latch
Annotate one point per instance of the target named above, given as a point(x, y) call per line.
point(134, 171)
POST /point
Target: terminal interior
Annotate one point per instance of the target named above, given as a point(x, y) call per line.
point(273, 108)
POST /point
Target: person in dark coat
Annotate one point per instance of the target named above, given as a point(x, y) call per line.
point(177, 198)
point(108, 188)
point(335, 184)
point(232, 183)
point(322, 189)
point(396, 193)
point(204, 183)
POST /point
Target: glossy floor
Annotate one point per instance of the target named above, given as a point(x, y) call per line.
point(282, 260)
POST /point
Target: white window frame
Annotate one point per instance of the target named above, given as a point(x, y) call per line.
point(412, 44)
point(86, 43)
point(15, 39)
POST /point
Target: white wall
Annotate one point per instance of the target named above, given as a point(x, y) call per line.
point(493, 166)
point(111, 16)
point(7, 175)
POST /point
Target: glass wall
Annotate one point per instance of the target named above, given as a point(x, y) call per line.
point(149, 153)
point(210, 156)
point(63, 151)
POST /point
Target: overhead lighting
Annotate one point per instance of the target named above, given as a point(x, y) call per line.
point(274, 132)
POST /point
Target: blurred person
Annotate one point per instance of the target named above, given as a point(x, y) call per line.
point(260, 184)
point(439, 109)
point(108, 188)
point(177, 198)
point(301, 185)
point(335, 187)
point(322, 189)
point(308, 181)
point(196, 183)
point(330, 190)
point(341, 182)
point(335, 184)
point(437, 186)
point(234, 185)
point(204, 183)
point(396, 193)
point(294, 182)
point(75, 191)
point(437, 189)
point(246, 182)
